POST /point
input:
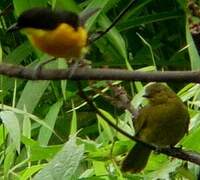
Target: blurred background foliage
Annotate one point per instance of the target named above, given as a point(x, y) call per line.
point(47, 128)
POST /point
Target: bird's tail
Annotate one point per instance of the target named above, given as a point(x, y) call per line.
point(137, 158)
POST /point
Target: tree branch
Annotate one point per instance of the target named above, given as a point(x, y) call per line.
point(99, 74)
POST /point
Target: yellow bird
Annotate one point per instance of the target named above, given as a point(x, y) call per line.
point(56, 32)
point(163, 122)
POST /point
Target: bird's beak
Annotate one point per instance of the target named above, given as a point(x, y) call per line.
point(13, 28)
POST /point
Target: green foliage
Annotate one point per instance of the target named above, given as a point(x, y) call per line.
point(38, 117)
point(65, 163)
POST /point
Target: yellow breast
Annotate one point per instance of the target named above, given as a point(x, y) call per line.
point(64, 41)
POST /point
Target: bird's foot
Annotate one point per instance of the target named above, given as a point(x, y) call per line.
point(39, 67)
point(74, 64)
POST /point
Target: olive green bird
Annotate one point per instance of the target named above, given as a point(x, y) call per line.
point(163, 122)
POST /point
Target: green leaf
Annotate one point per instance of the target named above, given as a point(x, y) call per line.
point(183, 4)
point(137, 21)
point(64, 165)
point(38, 152)
point(191, 141)
point(29, 172)
point(26, 130)
point(193, 53)
point(114, 37)
point(73, 128)
point(88, 173)
point(99, 168)
point(164, 168)
point(50, 120)
point(22, 5)
point(31, 94)
point(31, 116)
point(11, 123)
point(69, 5)
point(107, 130)
point(20, 53)
point(9, 160)
point(2, 134)
point(94, 4)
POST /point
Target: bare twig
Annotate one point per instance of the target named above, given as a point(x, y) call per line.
point(92, 39)
point(121, 99)
point(6, 10)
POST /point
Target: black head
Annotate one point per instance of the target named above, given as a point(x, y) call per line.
point(45, 18)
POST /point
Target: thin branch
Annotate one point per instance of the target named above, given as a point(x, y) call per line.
point(99, 74)
point(190, 156)
point(115, 21)
point(122, 100)
point(6, 10)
